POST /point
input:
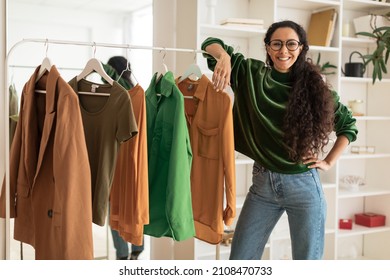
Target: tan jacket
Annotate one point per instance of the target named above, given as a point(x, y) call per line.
point(50, 183)
point(129, 197)
point(213, 179)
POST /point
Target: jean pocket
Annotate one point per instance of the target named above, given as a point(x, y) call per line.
point(257, 169)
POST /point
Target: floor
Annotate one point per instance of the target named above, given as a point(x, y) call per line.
point(103, 246)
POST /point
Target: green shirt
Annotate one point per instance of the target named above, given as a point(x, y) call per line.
point(261, 95)
point(169, 161)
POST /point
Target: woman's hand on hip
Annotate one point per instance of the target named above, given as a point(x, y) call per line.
point(314, 162)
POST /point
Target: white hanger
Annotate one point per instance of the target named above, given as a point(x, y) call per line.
point(94, 65)
point(45, 65)
point(163, 62)
point(127, 68)
point(193, 69)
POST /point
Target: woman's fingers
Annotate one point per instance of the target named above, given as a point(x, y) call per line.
point(221, 75)
point(220, 80)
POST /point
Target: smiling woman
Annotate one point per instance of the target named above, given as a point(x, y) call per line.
point(284, 49)
point(283, 115)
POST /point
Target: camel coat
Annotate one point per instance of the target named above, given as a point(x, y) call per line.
point(50, 183)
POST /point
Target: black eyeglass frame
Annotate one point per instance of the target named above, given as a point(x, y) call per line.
point(282, 43)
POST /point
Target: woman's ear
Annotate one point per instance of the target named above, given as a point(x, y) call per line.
point(267, 49)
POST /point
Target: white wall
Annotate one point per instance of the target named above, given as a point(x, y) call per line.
point(48, 22)
point(31, 21)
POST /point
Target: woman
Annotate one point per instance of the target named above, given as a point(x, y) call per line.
point(283, 114)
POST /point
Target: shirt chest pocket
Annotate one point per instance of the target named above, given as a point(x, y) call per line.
point(208, 142)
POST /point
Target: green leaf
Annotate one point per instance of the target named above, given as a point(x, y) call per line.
point(383, 66)
point(368, 34)
point(380, 29)
point(373, 75)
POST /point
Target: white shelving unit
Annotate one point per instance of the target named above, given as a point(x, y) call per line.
point(360, 242)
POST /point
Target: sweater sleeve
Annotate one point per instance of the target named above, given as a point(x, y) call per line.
point(345, 123)
point(238, 60)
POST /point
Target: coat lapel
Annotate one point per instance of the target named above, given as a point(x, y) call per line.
point(50, 115)
point(30, 135)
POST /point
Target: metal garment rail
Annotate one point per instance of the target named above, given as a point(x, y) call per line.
point(46, 42)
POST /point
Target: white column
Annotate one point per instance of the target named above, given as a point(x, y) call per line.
point(3, 110)
point(163, 36)
point(174, 25)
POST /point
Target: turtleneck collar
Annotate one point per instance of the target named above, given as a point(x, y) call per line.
point(283, 78)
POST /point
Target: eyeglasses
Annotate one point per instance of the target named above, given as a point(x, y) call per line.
point(291, 45)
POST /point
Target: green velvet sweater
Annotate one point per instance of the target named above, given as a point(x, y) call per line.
point(260, 98)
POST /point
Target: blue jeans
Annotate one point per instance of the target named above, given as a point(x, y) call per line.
point(122, 247)
point(300, 195)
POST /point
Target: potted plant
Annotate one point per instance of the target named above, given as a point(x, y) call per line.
point(325, 68)
point(380, 56)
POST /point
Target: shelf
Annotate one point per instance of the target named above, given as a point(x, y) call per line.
point(363, 192)
point(356, 42)
point(360, 230)
point(231, 31)
point(362, 80)
point(323, 49)
point(364, 5)
point(372, 118)
point(363, 156)
point(286, 234)
point(328, 186)
point(311, 5)
point(243, 161)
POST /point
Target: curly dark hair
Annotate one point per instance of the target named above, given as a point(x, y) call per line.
point(309, 116)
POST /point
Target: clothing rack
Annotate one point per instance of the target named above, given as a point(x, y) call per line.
point(46, 42)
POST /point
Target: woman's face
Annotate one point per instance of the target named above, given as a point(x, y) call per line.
point(287, 40)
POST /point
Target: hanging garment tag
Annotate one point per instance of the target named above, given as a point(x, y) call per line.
point(190, 87)
point(94, 87)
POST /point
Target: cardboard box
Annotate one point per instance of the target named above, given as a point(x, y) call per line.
point(321, 27)
point(345, 224)
point(370, 219)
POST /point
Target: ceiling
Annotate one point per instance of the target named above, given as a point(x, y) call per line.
point(119, 6)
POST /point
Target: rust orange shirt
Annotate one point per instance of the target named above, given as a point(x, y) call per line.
point(210, 122)
point(129, 198)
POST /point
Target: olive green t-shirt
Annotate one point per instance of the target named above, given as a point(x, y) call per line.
point(108, 121)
